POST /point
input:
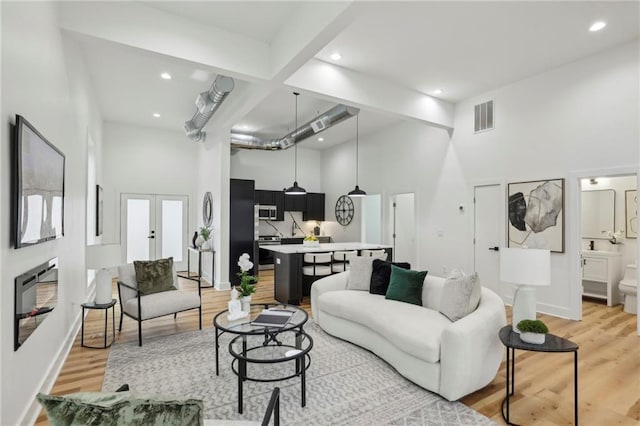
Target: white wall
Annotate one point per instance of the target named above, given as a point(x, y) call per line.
point(37, 83)
point(144, 160)
point(213, 175)
point(274, 170)
point(581, 116)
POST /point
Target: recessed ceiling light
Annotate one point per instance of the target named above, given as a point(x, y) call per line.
point(166, 76)
point(156, 115)
point(336, 56)
point(320, 139)
point(597, 26)
point(437, 92)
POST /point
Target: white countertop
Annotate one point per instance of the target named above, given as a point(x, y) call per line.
point(300, 248)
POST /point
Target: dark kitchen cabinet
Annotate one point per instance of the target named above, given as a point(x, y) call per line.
point(264, 197)
point(314, 207)
point(271, 198)
point(298, 240)
point(241, 226)
point(295, 203)
point(278, 197)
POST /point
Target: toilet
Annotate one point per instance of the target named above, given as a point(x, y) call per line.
point(629, 287)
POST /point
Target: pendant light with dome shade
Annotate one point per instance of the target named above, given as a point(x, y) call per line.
point(357, 192)
point(295, 189)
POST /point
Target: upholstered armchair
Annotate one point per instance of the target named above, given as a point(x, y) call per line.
point(139, 306)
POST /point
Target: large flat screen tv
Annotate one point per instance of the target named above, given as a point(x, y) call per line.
point(39, 184)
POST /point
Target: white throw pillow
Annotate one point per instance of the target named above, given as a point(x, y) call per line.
point(360, 273)
point(460, 295)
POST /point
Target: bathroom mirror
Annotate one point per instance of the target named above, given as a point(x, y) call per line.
point(598, 213)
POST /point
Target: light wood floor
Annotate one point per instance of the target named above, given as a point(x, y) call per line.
point(609, 364)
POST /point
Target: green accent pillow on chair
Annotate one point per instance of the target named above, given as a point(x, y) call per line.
point(405, 285)
point(154, 276)
point(119, 408)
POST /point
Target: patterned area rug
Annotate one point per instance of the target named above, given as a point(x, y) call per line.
point(346, 385)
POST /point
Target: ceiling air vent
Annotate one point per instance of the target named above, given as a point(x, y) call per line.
point(483, 117)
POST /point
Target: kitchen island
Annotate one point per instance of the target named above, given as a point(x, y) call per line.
point(288, 262)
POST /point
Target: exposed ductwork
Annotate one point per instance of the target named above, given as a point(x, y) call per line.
point(207, 104)
point(322, 122)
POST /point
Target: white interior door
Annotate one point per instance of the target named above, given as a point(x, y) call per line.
point(403, 228)
point(488, 238)
point(154, 226)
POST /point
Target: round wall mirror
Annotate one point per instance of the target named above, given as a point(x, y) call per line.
point(207, 209)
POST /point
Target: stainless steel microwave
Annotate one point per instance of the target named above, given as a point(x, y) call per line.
point(267, 212)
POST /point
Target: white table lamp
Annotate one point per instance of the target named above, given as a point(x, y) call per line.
point(101, 258)
point(526, 268)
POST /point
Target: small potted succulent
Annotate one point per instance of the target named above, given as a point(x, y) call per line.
point(532, 331)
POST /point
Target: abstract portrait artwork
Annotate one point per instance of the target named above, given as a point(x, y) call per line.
point(631, 213)
point(536, 214)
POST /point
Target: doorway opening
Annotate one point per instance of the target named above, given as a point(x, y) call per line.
point(371, 219)
point(607, 237)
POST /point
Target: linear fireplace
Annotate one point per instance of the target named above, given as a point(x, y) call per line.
point(36, 296)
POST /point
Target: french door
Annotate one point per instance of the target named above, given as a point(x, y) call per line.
point(154, 226)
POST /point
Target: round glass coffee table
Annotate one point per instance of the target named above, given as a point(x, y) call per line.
point(245, 327)
point(274, 358)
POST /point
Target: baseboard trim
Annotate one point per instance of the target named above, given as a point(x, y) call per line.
point(31, 412)
point(222, 285)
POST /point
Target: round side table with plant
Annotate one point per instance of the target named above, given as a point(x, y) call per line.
point(532, 331)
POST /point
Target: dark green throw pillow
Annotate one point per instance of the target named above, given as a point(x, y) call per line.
point(405, 285)
point(381, 274)
point(120, 408)
point(154, 276)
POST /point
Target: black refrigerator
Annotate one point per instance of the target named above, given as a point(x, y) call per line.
point(242, 222)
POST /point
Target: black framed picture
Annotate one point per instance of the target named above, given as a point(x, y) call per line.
point(99, 209)
point(535, 211)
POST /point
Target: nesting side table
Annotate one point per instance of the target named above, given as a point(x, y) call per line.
point(105, 307)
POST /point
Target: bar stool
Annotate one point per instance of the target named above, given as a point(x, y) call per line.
point(315, 265)
point(318, 265)
point(378, 254)
point(342, 259)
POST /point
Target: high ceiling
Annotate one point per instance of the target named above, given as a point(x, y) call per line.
point(394, 55)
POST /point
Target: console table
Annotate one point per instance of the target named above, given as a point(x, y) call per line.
point(511, 340)
point(198, 277)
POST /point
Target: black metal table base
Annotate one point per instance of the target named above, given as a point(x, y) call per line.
point(511, 345)
point(104, 307)
point(302, 363)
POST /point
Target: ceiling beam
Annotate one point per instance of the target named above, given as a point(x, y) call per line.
point(357, 89)
point(307, 32)
point(144, 27)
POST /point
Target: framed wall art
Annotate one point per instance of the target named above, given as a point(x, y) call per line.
point(99, 210)
point(535, 212)
point(631, 213)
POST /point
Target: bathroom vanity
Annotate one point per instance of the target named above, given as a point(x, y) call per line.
point(601, 274)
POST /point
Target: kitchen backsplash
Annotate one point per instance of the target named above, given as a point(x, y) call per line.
point(286, 227)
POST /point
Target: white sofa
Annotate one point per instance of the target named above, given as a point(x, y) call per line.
point(452, 359)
